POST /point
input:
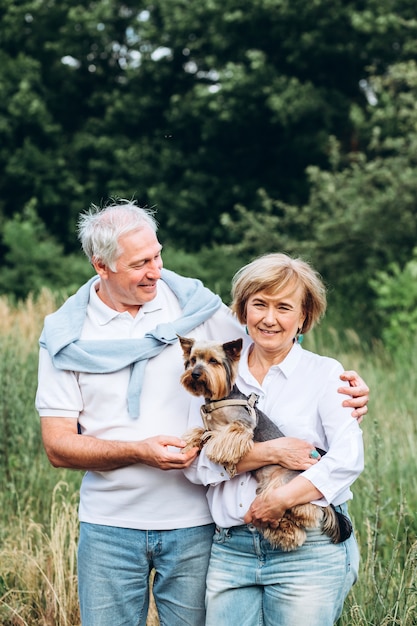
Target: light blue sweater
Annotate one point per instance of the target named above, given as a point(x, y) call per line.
point(62, 331)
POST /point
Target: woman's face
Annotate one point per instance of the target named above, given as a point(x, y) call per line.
point(273, 320)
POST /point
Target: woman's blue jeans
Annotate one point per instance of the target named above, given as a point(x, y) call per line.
point(113, 575)
point(251, 584)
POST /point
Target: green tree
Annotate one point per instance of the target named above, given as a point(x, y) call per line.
point(361, 216)
point(191, 107)
point(59, 66)
point(267, 83)
point(363, 213)
point(33, 259)
point(219, 115)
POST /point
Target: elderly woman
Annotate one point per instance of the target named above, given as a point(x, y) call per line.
point(249, 582)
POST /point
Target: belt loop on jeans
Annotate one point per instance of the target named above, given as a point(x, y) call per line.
point(224, 532)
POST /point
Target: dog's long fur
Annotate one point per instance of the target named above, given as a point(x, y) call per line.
point(231, 429)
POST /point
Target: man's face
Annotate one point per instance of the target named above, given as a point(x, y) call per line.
point(137, 271)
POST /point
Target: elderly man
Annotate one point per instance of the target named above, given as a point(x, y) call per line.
point(111, 404)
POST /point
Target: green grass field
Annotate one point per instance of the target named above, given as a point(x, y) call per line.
point(38, 504)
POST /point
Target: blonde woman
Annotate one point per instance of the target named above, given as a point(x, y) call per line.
point(249, 583)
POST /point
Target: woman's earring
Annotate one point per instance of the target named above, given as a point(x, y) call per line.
point(299, 337)
point(246, 329)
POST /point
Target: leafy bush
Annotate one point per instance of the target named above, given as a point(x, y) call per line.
point(214, 266)
point(396, 304)
point(34, 259)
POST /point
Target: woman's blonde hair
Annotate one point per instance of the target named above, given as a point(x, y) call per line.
point(274, 272)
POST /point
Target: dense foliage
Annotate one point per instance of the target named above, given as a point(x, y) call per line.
point(280, 124)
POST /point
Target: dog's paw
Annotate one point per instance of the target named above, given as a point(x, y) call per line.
point(194, 438)
point(287, 537)
point(229, 444)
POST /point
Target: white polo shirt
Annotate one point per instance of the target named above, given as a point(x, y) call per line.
point(300, 395)
point(137, 496)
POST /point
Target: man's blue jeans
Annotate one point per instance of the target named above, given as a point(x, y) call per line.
point(113, 573)
point(251, 584)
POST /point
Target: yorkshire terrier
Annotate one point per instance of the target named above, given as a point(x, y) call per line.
point(232, 422)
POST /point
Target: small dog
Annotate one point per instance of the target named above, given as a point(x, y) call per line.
point(232, 423)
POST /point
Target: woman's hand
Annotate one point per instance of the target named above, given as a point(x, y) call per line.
point(289, 452)
point(266, 510)
point(293, 453)
point(359, 392)
point(269, 507)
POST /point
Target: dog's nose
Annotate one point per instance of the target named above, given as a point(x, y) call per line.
point(196, 373)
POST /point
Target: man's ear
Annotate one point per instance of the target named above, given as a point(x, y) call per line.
point(100, 267)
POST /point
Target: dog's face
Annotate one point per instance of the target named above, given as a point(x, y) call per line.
point(210, 367)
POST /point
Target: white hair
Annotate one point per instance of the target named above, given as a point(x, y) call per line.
point(100, 229)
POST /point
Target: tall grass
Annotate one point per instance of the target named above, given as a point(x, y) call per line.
point(38, 504)
point(38, 566)
point(385, 495)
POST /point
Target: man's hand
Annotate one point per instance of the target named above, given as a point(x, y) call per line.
point(159, 452)
point(358, 391)
point(66, 448)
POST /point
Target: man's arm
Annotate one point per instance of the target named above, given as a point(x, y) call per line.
point(66, 448)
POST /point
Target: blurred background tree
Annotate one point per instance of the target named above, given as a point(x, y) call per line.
point(250, 127)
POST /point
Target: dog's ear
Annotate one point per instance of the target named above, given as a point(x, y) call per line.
point(186, 344)
point(233, 349)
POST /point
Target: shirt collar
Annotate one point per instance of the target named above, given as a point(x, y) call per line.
point(291, 361)
point(105, 314)
point(287, 366)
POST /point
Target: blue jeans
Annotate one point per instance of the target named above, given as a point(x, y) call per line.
point(113, 575)
point(251, 584)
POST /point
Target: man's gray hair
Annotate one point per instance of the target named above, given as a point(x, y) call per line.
point(100, 229)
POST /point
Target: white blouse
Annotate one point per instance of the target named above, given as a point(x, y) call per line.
point(300, 395)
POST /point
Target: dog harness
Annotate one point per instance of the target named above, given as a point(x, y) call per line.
point(248, 403)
